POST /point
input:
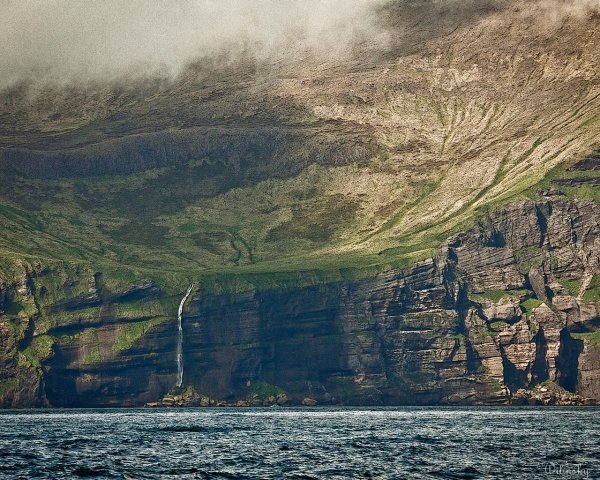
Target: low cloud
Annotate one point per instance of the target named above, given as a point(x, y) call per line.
point(71, 40)
point(558, 10)
point(75, 39)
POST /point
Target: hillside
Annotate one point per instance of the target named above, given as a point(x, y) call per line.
point(261, 164)
point(245, 174)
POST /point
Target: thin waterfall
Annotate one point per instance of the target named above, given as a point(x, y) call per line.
point(180, 338)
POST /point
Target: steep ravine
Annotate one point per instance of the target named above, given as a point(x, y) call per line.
point(508, 312)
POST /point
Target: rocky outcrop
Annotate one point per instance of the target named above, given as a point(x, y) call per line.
point(254, 153)
point(548, 393)
point(506, 309)
point(57, 318)
point(21, 382)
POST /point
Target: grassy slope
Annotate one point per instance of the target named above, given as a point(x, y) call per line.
point(462, 124)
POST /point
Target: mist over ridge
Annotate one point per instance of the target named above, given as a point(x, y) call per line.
point(62, 40)
point(67, 40)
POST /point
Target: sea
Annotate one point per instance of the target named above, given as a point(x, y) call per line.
point(302, 443)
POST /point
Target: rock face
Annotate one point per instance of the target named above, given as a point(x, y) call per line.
point(490, 316)
point(506, 307)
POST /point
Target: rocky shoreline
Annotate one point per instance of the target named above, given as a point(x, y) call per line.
point(550, 394)
point(544, 394)
point(190, 398)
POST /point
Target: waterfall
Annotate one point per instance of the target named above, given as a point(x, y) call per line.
point(180, 338)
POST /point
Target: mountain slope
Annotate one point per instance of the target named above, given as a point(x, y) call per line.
point(247, 174)
point(252, 163)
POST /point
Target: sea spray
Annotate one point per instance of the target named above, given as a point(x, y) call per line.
point(180, 338)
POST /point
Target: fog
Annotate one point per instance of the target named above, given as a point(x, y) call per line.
point(66, 40)
point(76, 39)
point(557, 10)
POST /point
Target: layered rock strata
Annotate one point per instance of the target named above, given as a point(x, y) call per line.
point(507, 308)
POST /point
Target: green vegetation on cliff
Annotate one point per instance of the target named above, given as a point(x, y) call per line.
point(592, 337)
point(497, 295)
point(529, 305)
point(39, 350)
point(592, 293)
point(134, 331)
point(263, 390)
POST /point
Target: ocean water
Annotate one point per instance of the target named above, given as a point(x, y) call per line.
point(309, 443)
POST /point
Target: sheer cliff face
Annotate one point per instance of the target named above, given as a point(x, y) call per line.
point(493, 314)
point(507, 306)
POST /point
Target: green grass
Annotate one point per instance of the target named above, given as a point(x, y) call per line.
point(572, 286)
point(497, 295)
point(561, 172)
point(175, 225)
point(68, 317)
point(297, 221)
point(132, 332)
point(7, 386)
point(492, 295)
point(263, 390)
point(528, 257)
point(189, 228)
point(498, 325)
point(267, 235)
point(529, 305)
point(147, 308)
point(592, 337)
point(127, 252)
point(55, 281)
point(592, 293)
point(21, 216)
point(41, 349)
point(92, 357)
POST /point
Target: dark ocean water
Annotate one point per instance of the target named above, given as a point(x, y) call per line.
point(337, 443)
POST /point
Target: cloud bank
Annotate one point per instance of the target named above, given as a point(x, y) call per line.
point(557, 10)
point(66, 39)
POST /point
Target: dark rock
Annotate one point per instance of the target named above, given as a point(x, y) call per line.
point(146, 290)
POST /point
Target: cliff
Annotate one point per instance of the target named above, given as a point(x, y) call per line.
point(314, 203)
point(508, 312)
